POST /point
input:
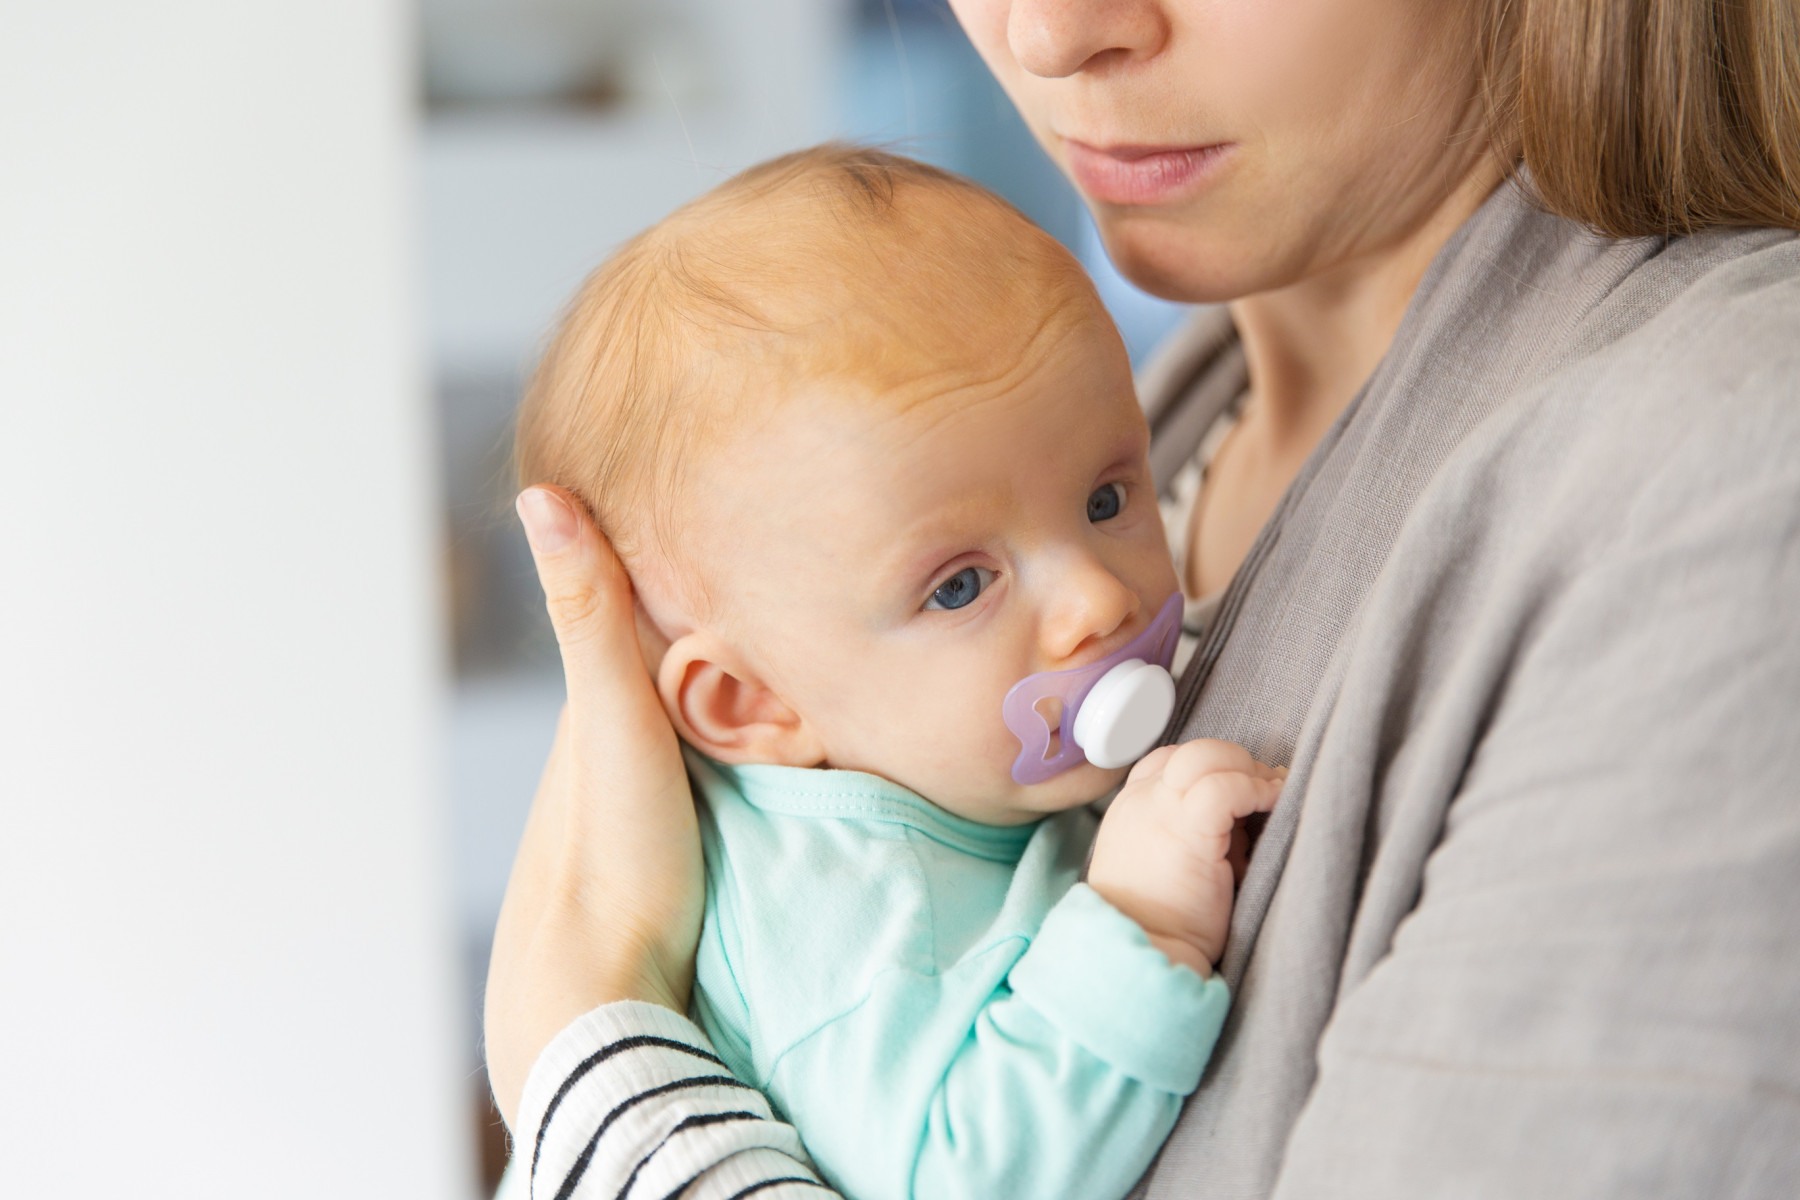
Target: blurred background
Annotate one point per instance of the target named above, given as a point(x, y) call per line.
point(276, 679)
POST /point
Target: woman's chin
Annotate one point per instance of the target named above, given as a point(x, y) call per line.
point(1182, 258)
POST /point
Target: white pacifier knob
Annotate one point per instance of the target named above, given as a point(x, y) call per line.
point(1124, 713)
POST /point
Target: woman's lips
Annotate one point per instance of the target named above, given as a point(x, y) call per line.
point(1143, 174)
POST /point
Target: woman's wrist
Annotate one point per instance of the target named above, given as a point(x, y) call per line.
point(559, 953)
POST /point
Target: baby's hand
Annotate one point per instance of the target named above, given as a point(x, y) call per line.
point(1162, 854)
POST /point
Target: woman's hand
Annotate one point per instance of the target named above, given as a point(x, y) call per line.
point(605, 898)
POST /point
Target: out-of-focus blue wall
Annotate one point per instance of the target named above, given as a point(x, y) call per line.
point(912, 82)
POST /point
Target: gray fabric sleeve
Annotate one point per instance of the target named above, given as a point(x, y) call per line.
point(1597, 990)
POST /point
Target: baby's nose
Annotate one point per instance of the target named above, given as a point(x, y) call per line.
point(1091, 605)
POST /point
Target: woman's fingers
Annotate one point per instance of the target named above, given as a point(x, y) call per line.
point(618, 732)
point(606, 895)
point(621, 754)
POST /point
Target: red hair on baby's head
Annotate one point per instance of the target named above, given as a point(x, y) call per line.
point(834, 264)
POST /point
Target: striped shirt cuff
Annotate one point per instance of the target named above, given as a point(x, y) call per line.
point(630, 1103)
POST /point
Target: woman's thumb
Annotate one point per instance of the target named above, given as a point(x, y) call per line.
point(585, 586)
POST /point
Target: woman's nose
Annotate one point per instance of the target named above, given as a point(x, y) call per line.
point(1091, 604)
point(1055, 38)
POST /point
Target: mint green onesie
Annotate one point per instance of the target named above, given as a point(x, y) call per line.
point(938, 1005)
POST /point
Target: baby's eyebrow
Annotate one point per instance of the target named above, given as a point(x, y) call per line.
point(1130, 447)
point(925, 544)
point(915, 555)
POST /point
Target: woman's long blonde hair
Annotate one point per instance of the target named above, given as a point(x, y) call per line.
point(1646, 117)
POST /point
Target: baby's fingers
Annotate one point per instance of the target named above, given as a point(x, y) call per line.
point(1217, 802)
point(1192, 761)
point(1152, 764)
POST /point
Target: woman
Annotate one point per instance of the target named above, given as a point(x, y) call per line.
point(1506, 546)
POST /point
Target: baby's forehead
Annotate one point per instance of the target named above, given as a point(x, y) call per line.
point(819, 300)
point(879, 324)
point(952, 437)
point(818, 265)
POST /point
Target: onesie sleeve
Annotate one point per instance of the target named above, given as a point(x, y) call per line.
point(1063, 1084)
point(629, 1101)
point(1093, 974)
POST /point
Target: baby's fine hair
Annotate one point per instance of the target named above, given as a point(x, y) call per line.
point(837, 264)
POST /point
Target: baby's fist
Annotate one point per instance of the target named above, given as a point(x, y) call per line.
point(1162, 854)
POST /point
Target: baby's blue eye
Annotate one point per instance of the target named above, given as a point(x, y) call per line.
point(1106, 502)
point(960, 589)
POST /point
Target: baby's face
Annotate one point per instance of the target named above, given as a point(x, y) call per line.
point(892, 565)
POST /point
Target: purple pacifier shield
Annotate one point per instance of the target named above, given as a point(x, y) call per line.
point(1156, 644)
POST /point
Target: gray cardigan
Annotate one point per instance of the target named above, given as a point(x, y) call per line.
point(1527, 630)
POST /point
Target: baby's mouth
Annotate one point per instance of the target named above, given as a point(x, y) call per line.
point(1050, 710)
point(1109, 712)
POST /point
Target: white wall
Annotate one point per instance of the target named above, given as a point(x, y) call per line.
point(225, 967)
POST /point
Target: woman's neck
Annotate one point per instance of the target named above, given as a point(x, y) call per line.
point(1310, 346)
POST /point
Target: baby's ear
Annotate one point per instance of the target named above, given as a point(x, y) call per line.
point(723, 710)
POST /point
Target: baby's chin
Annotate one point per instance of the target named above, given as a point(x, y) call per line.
point(999, 800)
point(1071, 789)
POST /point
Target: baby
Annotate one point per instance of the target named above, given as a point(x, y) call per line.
point(867, 442)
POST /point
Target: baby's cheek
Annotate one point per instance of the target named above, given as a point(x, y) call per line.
point(968, 753)
point(976, 742)
point(934, 721)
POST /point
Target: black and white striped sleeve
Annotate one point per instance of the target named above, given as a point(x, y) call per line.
point(630, 1103)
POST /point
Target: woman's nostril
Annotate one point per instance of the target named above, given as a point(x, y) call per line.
point(1052, 42)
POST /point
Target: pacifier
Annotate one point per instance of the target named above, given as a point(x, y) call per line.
point(1113, 710)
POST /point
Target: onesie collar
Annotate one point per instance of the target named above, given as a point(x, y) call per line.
point(826, 794)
